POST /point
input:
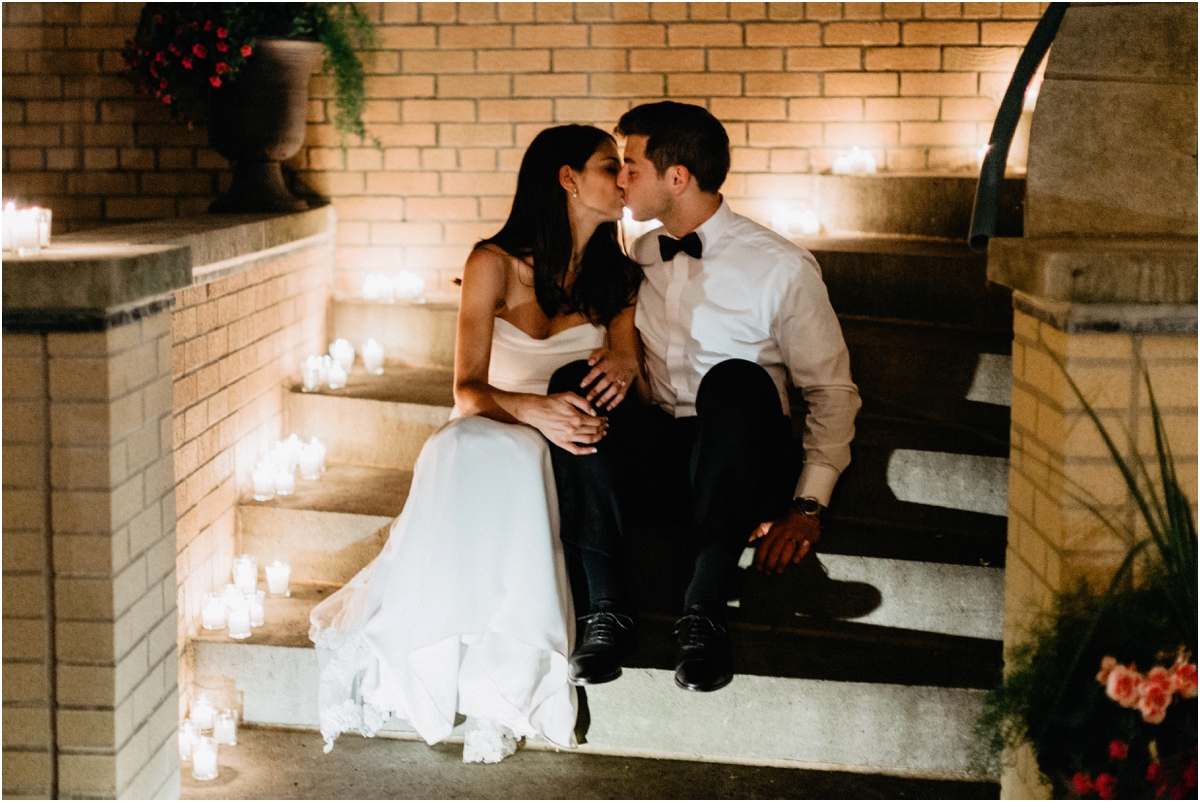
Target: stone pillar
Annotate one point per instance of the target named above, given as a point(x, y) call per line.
point(90, 659)
point(1104, 283)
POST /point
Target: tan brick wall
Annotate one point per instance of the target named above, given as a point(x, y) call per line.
point(112, 535)
point(1052, 538)
point(457, 90)
point(235, 342)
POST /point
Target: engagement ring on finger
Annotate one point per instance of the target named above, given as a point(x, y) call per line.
point(621, 383)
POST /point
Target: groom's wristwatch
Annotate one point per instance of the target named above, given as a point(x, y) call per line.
point(807, 506)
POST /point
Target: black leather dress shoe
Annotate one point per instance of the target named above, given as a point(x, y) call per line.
point(608, 637)
point(703, 662)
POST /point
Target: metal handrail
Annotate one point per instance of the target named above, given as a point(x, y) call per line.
point(991, 173)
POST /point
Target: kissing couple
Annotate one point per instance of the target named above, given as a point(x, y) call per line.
point(591, 384)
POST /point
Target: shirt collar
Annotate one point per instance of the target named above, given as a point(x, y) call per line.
point(714, 227)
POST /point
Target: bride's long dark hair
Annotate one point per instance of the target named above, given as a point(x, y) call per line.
point(539, 230)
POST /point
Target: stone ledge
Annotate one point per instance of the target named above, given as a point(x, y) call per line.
point(1093, 270)
point(100, 279)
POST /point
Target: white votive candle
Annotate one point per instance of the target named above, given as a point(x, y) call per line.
point(264, 482)
point(257, 607)
point(204, 759)
point(212, 612)
point(230, 596)
point(285, 481)
point(188, 735)
point(337, 376)
point(24, 232)
point(225, 727)
point(245, 573)
point(323, 450)
point(239, 619)
point(202, 714)
point(43, 217)
point(9, 215)
point(342, 352)
point(372, 354)
point(310, 375)
point(310, 463)
point(278, 575)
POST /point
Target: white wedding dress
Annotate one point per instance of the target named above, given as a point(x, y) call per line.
point(467, 609)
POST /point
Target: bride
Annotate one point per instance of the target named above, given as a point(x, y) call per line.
point(467, 610)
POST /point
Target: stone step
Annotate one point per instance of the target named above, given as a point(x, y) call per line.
point(415, 334)
point(328, 529)
point(907, 729)
point(380, 421)
point(911, 279)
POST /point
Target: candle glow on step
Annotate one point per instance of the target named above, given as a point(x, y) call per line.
point(257, 607)
point(225, 727)
point(202, 713)
point(856, 162)
point(337, 376)
point(212, 613)
point(343, 353)
point(264, 482)
point(245, 573)
point(372, 355)
point(239, 618)
point(188, 736)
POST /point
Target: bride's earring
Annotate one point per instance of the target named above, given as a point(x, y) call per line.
point(574, 194)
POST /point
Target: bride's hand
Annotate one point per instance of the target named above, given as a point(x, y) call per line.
point(613, 373)
point(566, 420)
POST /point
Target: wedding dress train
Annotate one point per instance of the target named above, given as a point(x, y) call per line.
point(467, 609)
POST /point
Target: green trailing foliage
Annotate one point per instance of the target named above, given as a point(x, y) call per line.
point(1051, 697)
point(182, 52)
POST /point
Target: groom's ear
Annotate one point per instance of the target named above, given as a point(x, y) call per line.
point(678, 178)
point(566, 179)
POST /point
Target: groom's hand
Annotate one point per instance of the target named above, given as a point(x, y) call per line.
point(784, 540)
point(613, 374)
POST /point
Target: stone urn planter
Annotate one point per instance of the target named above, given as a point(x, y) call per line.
point(258, 121)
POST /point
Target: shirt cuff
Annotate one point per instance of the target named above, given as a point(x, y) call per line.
point(817, 481)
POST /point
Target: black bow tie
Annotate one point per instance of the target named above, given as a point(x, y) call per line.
point(690, 245)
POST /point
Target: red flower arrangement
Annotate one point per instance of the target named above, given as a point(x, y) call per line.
point(168, 59)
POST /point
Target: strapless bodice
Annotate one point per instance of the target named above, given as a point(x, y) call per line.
point(524, 364)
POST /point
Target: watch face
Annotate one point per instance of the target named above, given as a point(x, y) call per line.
point(808, 506)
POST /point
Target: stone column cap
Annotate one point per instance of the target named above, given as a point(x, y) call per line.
point(1097, 270)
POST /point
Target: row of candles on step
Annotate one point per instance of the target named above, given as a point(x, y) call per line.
point(241, 606)
point(404, 286)
point(26, 231)
point(202, 732)
point(275, 474)
point(333, 369)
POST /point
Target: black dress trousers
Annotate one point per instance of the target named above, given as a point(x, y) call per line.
point(723, 472)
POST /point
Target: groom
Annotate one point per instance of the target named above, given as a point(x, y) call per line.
point(728, 311)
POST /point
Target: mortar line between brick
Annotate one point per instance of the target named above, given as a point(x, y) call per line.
point(48, 557)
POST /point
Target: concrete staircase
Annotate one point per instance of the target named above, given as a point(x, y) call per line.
point(883, 673)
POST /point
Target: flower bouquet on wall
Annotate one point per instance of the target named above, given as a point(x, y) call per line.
point(243, 70)
point(1128, 731)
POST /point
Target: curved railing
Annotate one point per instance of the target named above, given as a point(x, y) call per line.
point(991, 174)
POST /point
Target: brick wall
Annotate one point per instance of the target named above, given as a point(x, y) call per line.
point(458, 89)
point(89, 673)
point(1052, 538)
point(236, 340)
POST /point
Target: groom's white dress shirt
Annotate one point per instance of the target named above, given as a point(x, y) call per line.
point(757, 296)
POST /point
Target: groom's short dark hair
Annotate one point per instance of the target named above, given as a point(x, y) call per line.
point(680, 133)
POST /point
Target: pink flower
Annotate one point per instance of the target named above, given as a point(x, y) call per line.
point(162, 84)
point(187, 62)
point(1122, 686)
point(174, 49)
point(246, 51)
point(221, 46)
point(1106, 786)
point(222, 67)
point(1183, 679)
point(1153, 771)
point(1082, 783)
point(200, 50)
point(158, 56)
point(166, 99)
point(1118, 750)
point(222, 33)
point(1153, 698)
point(1106, 667)
point(214, 80)
point(208, 25)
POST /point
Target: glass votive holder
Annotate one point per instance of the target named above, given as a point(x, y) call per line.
point(372, 356)
point(202, 714)
point(43, 219)
point(245, 573)
point(188, 735)
point(204, 759)
point(310, 462)
point(278, 576)
point(23, 232)
point(285, 482)
point(342, 352)
point(239, 619)
point(257, 601)
point(212, 612)
point(225, 727)
point(337, 376)
point(310, 375)
point(264, 483)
